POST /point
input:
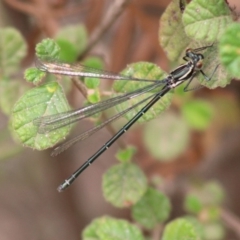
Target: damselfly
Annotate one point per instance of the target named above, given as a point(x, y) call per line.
point(184, 72)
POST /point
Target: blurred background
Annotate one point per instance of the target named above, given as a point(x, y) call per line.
point(30, 206)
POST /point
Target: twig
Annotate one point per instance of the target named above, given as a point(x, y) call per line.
point(231, 221)
point(112, 14)
point(80, 86)
point(40, 10)
point(157, 231)
point(22, 6)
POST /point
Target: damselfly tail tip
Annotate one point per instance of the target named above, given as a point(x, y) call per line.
point(63, 186)
point(60, 189)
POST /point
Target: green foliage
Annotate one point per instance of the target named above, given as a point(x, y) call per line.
point(41, 101)
point(126, 155)
point(12, 50)
point(202, 23)
point(92, 83)
point(197, 224)
point(210, 194)
point(10, 90)
point(76, 35)
point(34, 75)
point(94, 97)
point(174, 35)
point(204, 202)
point(172, 136)
point(171, 139)
point(201, 15)
point(193, 203)
point(47, 49)
point(68, 51)
point(198, 114)
point(229, 49)
point(108, 228)
point(141, 70)
point(44, 100)
point(124, 184)
point(180, 229)
point(152, 209)
point(206, 21)
point(212, 61)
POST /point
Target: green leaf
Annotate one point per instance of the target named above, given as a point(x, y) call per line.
point(10, 91)
point(198, 114)
point(229, 49)
point(146, 71)
point(198, 226)
point(181, 94)
point(211, 63)
point(126, 155)
point(180, 229)
point(94, 62)
point(90, 232)
point(34, 75)
point(76, 35)
point(91, 83)
point(166, 137)
point(47, 48)
point(172, 36)
point(206, 20)
point(108, 228)
point(205, 199)
point(193, 204)
point(124, 184)
point(68, 51)
point(94, 97)
point(153, 208)
point(174, 41)
point(40, 101)
point(212, 213)
point(12, 50)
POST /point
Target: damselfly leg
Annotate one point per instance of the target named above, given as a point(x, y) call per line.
point(198, 68)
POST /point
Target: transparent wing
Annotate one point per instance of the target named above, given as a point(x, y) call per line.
point(93, 130)
point(56, 67)
point(55, 121)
